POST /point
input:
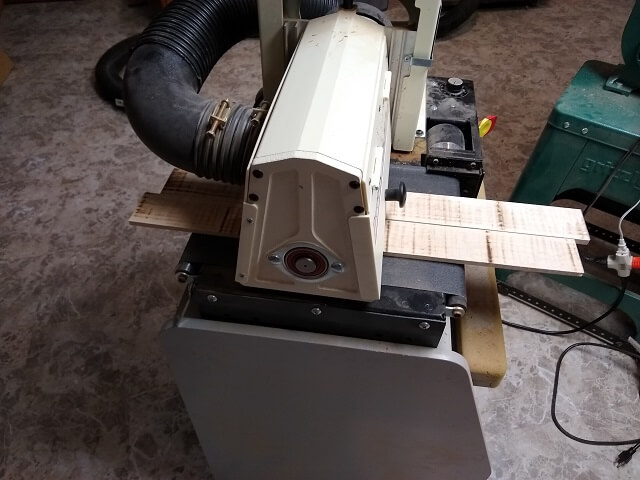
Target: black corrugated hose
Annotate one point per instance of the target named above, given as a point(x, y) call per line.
point(170, 62)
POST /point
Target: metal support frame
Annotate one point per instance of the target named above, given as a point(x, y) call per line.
point(411, 88)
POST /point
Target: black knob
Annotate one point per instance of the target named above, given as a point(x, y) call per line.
point(397, 194)
point(454, 85)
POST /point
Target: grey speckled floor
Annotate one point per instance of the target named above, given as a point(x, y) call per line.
point(84, 389)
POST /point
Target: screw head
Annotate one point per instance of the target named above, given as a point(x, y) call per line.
point(182, 277)
point(212, 298)
point(316, 311)
point(424, 325)
point(436, 161)
point(249, 220)
point(585, 131)
point(566, 125)
point(337, 267)
point(473, 165)
point(275, 259)
point(419, 133)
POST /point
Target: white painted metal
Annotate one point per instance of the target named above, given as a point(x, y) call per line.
point(411, 90)
point(328, 128)
point(274, 404)
point(272, 51)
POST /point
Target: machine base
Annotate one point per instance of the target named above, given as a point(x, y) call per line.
point(274, 404)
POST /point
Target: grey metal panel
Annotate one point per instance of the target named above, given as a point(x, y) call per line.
point(272, 404)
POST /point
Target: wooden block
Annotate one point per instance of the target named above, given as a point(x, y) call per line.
point(480, 339)
point(491, 215)
point(482, 247)
point(210, 215)
point(5, 66)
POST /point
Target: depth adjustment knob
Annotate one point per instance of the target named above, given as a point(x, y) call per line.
point(454, 85)
point(397, 194)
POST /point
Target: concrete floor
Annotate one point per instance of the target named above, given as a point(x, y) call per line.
point(85, 391)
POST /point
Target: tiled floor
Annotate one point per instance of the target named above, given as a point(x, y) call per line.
point(84, 389)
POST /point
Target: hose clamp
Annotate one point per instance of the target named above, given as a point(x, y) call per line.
point(219, 117)
point(259, 113)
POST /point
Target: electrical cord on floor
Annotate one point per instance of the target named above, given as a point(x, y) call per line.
point(609, 311)
point(623, 457)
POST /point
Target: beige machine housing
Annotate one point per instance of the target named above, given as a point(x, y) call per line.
point(314, 208)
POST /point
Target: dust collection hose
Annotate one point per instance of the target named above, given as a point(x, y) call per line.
point(170, 62)
point(172, 59)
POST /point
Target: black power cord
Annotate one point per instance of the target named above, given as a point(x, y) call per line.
point(625, 456)
point(609, 311)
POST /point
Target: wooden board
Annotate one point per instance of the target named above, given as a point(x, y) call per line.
point(183, 182)
point(189, 213)
point(510, 217)
point(479, 335)
point(192, 204)
point(482, 247)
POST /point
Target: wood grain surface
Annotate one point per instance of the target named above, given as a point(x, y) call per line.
point(445, 210)
point(474, 246)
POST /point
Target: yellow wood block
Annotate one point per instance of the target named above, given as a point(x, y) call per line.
point(5, 66)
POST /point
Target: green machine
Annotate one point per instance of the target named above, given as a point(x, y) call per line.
point(589, 152)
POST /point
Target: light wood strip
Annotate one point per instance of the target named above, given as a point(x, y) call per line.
point(185, 182)
point(482, 247)
point(491, 215)
point(210, 215)
point(479, 333)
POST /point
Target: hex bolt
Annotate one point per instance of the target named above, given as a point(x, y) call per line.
point(337, 267)
point(424, 325)
point(275, 259)
point(212, 298)
point(566, 125)
point(316, 311)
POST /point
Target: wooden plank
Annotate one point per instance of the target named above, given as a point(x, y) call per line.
point(482, 247)
point(491, 215)
point(480, 339)
point(184, 182)
point(210, 215)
